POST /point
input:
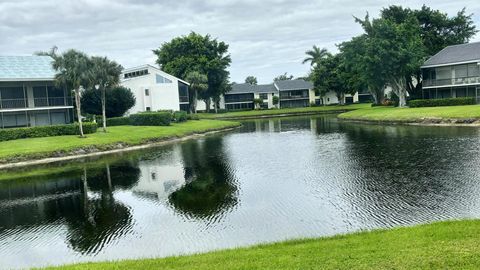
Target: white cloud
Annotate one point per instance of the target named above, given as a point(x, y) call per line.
point(266, 38)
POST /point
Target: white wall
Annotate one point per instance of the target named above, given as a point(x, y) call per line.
point(163, 96)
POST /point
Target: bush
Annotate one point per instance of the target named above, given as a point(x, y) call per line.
point(179, 116)
point(118, 101)
point(151, 119)
point(192, 117)
point(118, 121)
point(441, 102)
point(45, 131)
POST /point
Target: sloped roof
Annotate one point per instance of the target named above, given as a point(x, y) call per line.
point(293, 85)
point(26, 68)
point(240, 88)
point(469, 52)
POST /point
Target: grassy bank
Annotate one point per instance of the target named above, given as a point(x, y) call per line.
point(446, 245)
point(466, 113)
point(32, 148)
point(287, 111)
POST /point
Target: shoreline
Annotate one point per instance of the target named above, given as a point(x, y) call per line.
point(428, 122)
point(119, 147)
point(280, 115)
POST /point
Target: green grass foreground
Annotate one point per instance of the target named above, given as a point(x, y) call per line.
point(274, 112)
point(445, 245)
point(390, 114)
point(129, 135)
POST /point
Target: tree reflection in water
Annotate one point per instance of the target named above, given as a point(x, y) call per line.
point(210, 189)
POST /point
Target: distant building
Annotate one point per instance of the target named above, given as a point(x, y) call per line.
point(453, 72)
point(242, 96)
point(295, 93)
point(28, 96)
point(155, 90)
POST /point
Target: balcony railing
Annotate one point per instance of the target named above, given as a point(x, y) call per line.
point(453, 81)
point(21, 103)
point(286, 97)
point(13, 103)
point(183, 99)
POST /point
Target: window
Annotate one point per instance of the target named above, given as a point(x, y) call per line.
point(147, 92)
point(161, 79)
point(135, 73)
point(473, 70)
point(263, 96)
point(444, 73)
point(148, 109)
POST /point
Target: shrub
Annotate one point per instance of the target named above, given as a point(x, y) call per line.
point(118, 101)
point(179, 116)
point(118, 121)
point(151, 119)
point(441, 102)
point(45, 131)
point(193, 117)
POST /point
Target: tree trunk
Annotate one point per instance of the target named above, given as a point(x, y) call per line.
point(194, 102)
point(341, 98)
point(207, 104)
point(215, 106)
point(79, 114)
point(377, 94)
point(399, 87)
point(104, 115)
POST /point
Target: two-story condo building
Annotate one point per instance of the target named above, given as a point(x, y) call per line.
point(242, 96)
point(155, 90)
point(453, 72)
point(295, 93)
point(28, 96)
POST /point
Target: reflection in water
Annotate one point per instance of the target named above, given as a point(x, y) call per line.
point(209, 188)
point(274, 179)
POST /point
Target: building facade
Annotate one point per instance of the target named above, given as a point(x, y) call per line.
point(295, 93)
point(155, 90)
point(242, 97)
point(453, 72)
point(28, 95)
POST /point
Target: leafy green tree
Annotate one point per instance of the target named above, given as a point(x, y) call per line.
point(103, 75)
point(283, 77)
point(118, 101)
point(251, 80)
point(315, 55)
point(198, 84)
point(275, 100)
point(72, 69)
point(194, 52)
point(331, 75)
point(437, 31)
point(397, 48)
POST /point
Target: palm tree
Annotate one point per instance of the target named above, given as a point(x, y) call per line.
point(72, 72)
point(103, 74)
point(315, 55)
point(198, 83)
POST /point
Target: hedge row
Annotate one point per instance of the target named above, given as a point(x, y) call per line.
point(441, 102)
point(151, 119)
point(45, 131)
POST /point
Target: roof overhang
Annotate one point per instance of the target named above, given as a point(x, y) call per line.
point(26, 79)
point(452, 64)
point(36, 109)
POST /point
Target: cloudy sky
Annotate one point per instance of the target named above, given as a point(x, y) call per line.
point(266, 37)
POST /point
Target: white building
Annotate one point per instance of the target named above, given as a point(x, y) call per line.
point(28, 95)
point(155, 90)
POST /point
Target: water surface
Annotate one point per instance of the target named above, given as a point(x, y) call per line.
point(271, 180)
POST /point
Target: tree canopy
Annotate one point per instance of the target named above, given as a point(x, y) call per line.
point(283, 77)
point(251, 80)
point(315, 55)
point(118, 101)
point(203, 54)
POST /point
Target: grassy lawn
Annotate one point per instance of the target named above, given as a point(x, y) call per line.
point(131, 135)
point(253, 113)
point(446, 245)
point(390, 114)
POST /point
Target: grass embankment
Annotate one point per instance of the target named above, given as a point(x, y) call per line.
point(446, 245)
point(451, 114)
point(33, 148)
point(277, 112)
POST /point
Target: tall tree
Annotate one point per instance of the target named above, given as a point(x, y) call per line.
point(194, 52)
point(118, 101)
point(437, 31)
point(104, 74)
point(283, 77)
point(251, 80)
point(397, 48)
point(72, 69)
point(198, 84)
point(331, 75)
point(315, 55)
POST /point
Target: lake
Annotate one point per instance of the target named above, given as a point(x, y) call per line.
point(270, 180)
